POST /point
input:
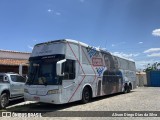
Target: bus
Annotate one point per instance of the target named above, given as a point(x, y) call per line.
point(66, 70)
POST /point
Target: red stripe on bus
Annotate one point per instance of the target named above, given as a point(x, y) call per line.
point(76, 57)
point(82, 71)
point(76, 88)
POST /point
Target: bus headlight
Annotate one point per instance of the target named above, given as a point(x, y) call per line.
point(52, 91)
point(26, 90)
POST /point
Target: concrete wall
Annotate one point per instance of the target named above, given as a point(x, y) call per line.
point(141, 79)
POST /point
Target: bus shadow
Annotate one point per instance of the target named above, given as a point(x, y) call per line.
point(108, 96)
point(14, 102)
point(46, 108)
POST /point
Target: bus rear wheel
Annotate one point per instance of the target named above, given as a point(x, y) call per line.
point(126, 88)
point(86, 95)
point(129, 87)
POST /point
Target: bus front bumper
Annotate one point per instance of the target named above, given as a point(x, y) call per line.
point(52, 98)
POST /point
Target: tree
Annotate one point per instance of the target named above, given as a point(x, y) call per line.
point(154, 66)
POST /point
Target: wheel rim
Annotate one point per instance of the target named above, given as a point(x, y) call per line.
point(4, 101)
point(130, 87)
point(86, 95)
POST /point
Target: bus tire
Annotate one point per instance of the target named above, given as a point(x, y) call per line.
point(129, 87)
point(86, 95)
point(4, 100)
point(99, 88)
point(125, 88)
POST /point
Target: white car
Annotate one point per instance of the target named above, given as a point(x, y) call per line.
point(11, 88)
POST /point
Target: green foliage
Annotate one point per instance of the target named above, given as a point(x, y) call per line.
point(153, 67)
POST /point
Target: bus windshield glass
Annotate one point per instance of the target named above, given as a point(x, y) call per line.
point(42, 72)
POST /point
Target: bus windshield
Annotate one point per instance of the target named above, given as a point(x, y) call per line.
point(42, 72)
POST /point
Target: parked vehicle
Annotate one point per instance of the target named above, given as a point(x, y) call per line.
point(65, 71)
point(11, 88)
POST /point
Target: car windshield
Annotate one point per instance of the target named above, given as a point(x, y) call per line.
point(42, 72)
point(17, 78)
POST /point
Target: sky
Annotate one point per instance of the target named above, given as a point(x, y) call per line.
point(127, 28)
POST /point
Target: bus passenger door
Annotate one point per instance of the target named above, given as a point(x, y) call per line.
point(68, 82)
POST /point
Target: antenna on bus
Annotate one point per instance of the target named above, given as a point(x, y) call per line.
point(106, 44)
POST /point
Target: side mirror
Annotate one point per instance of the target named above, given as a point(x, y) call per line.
point(5, 79)
point(59, 67)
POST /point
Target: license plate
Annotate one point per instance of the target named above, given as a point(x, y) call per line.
point(36, 98)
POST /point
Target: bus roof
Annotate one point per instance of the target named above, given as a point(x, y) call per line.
point(68, 40)
point(82, 44)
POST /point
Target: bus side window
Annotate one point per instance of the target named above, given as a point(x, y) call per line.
point(69, 70)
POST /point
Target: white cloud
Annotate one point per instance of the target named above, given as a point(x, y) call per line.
point(121, 54)
point(142, 64)
point(118, 44)
point(152, 50)
point(30, 47)
point(57, 13)
point(140, 42)
point(156, 32)
point(154, 55)
point(53, 12)
point(113, 45)
point(49, 10)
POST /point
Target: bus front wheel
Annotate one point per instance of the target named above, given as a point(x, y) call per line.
point(86, 95)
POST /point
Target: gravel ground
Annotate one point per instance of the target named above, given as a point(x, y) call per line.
point(140, 99)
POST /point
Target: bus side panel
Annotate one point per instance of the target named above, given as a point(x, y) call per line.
point(93, 66)
point(128, 71)
point(112, 76)
point(86, 74)
point(70, 87)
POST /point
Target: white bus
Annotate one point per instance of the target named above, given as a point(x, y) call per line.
point(64, 71)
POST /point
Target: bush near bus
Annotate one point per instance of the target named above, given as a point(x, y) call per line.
point(152, 67)
point(64, 71)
